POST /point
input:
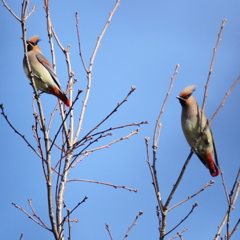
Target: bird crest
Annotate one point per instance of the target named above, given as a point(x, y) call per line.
point(187, 91)
point(34, 40)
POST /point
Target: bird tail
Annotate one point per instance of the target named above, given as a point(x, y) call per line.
point(61, 95)
point(210, 164)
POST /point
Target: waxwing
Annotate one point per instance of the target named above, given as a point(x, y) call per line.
point(193, 121)
point(44, 75)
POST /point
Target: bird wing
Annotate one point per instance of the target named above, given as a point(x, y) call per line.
point(48, 66)
point(215, 151)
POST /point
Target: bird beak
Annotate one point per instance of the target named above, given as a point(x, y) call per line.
point(178, 97)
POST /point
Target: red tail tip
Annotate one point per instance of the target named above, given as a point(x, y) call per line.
point(68, 103)
point(215, 174)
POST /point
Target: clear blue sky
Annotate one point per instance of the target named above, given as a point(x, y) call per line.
point(143, 44)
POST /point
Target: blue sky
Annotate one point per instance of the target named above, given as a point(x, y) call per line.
point(143, 44)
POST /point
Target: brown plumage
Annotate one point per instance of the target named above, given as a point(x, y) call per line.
point(193, 121)
point(44, 75)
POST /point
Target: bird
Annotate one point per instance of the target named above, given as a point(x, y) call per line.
point(193, 122)
point(44, 76)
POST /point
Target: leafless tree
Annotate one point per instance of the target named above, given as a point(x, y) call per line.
point(163, 207)
point(72, 148)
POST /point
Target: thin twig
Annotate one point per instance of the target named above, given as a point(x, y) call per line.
point(111, 129)
point(32, 11)
point(107, 145)
point(113, 111)
point(66, 52)
point(158, 125)
point(178, 233)
point(212, 63)
point(231, 205)
point(11, 11)
point(17, 132)
point(225, 186)
point(21, 236)
point(79, 159)
point(224, 99)
point(155, 185)
point(32, 218)
point(178, 180)
point(89, 71)
point(190, 197)
point(52, 116)
point(70, 212)
point(79, 43)
point(69, 225)
point(36, 135)
point(108, 184)
point(153, 170)
point(195, 205)
point(108, 229)
point(64, 120)
point(133, 224)
point(235, 228)
point(35, 214)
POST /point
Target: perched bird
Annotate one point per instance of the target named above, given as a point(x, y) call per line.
point(193, 121)
point(44, 76)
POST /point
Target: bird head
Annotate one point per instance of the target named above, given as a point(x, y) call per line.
point(32, 43)
point(186, 94)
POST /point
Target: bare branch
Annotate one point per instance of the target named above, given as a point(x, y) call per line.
point(114, 110)
point(69, 225)
point(11, 11)
point(50, 34)
point(69, 212)
point(152, 168)
point(35, 215)
point(105, 146)
point(232, 197)
point(225, 186)
point(108, 184)
point(202, 189)
point(212, 62)
point(178, 180)
point(235, 228)
point(70, 83)
point(114, 128)
point(79, 159)
point(158, 125)
point(30, 13)
point(133, 224)
point(154, 180)
point(224, 99)
point(195, 205)
point(17, 132)
point(179, 234)
point(64, 120)
point(32, 218)
point(89, 75)
point(21, 236)
point(110, 234)
point(79, 42)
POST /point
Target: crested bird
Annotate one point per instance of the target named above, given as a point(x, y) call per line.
point(43, 74)
point(193, 122)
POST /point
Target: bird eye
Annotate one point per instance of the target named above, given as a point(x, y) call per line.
point(186, 97)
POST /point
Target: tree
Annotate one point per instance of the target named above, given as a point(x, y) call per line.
point(60, 147)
